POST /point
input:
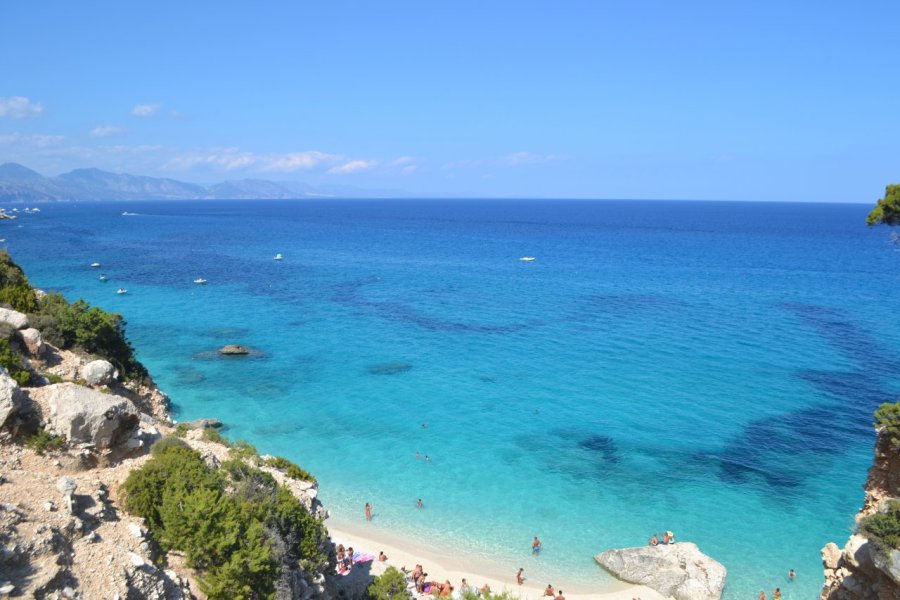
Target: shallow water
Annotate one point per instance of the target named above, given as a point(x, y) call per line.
point(709, 368)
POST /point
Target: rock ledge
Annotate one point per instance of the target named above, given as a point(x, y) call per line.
point(679, 570)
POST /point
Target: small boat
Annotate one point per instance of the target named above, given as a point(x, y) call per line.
point(199, 281)
point(527, 258)
point(103, 278)
point(95, 265)
point(279, 256)
point(121, 291)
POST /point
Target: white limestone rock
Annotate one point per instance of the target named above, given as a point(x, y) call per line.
point(32, 341)
point(679, 570)
point(99, 372)
point(84, 415)
point(10, 396)
point(13, 318)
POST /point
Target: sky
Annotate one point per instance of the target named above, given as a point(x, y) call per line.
point(631, 99)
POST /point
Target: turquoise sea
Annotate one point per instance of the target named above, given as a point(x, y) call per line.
point(709, 368)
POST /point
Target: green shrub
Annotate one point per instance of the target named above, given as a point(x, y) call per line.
point(888, 417)
point(210, 434)
point(90, 328)
point(390, 585)
point(235, 524)
point(43, 441)
point(883, 529)
point(10, 361)
point(243, 449)
point(14, 287)
point(53, 377)
point(162, 445)
point(289, 469)
point(181, 430)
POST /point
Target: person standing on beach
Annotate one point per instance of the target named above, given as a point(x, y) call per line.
point(368, 512)
point(520, 576)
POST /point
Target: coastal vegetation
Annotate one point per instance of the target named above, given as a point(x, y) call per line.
point(42, 441)
point(887, 418)
point(887, 210)
point(67, 326)
point(289, 469)
point(234, 524)
point(390, 585)
point(11, 361)
point(883, 528)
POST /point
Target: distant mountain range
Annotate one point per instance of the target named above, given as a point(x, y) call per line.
point(21, 184)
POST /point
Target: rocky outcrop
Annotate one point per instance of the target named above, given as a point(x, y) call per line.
point(84, 415)
point(862, 570)
point(13, 318)
point(31, 340)
point(234, 350)
point(99, 372)
point(679, 570)
point(10, 396)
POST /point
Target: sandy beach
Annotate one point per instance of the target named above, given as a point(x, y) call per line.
point(440, 566)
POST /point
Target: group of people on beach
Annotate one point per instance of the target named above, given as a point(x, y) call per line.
point(667, 538)
point(344, 559)
point(418, 579)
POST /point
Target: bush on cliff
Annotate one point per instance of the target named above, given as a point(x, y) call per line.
point(883, 528)
point(10, 361)
point(234, 524)
point(88, 327)
point(390, 585)
point(14, 287)
point(289, 469)
point(887, 417)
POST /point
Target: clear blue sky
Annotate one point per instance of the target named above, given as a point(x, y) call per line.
point(632, 99)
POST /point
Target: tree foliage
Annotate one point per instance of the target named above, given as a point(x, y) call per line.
point(883, 528)
point(887, 210)
point(14, 287)
point(235, 524)
point(887, 417)
point(11, 361)
point(390, 585)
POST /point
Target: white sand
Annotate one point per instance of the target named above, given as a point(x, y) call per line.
point(441, 567)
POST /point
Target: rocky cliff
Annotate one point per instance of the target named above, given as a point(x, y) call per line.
point(70, 436)
point(863, 570)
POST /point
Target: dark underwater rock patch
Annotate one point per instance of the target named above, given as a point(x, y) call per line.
point(391, 368)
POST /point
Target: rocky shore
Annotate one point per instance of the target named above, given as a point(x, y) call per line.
point(69, 438)
point(863, 570)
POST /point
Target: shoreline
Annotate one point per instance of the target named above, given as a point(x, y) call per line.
point(403, 552)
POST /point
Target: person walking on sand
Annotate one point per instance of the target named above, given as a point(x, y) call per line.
point(535, 545)
point(520, 576)
point(368, 512)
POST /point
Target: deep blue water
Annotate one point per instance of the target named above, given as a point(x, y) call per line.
point(709, 368)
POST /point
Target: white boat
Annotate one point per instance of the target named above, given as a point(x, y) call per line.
point(95, 265)
point(199, 281)
point(103, 278)
point(527, 258)
point(279, 256)
point(121, 291)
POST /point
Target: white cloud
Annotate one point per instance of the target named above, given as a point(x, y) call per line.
point(102, 131)
point(403, 160)
point(19, 107)
point(34, 140)
point(352, 166)
point(294, 161)
point(526, 158)
point(409, 169)
point(145, 110)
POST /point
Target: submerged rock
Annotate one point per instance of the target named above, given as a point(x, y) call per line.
point(234, 350)
point(202, 424)
point(392, 368)
point(679, 570)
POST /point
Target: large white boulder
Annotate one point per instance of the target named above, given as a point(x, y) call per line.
point(13, 318)
point(98, 372)
point(31, 339)
point(679, 570)
point(88, 416)
point(10, 396)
